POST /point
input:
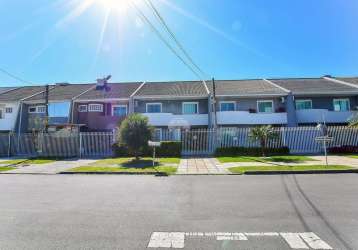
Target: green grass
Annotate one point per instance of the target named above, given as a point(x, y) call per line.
point(27, 161)
point(241, 170)
point(352, 156)
point(283, 158)
point(3, 169)
point(125, 164)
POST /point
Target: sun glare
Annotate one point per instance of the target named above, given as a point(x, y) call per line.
point(114, 5)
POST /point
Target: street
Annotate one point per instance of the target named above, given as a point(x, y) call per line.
point(124, 212)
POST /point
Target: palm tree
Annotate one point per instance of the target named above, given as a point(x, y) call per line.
point(263, 134)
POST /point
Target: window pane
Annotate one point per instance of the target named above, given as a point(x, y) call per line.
point(303, 104)
point(154, 108)
point(120, 111)
point(190, 108)
point(1, 114)
point(265, 107)
point(60, 109)
point(227, 106)
point(341, 105)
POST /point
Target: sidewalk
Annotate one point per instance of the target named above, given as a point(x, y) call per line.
point(49, 168)
point(200, 166)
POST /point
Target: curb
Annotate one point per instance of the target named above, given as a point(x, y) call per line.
point(116, 173)
point(348, 171)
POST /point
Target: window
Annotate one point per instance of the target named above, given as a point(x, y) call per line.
point(119, 110)
point(1, 114)
point(59, 109)
point(154, 107)
point(265, 106)
point(341, 104)
point(8, 110)
point(157, 136)
point(303, 104)
point(190, 108)
point(95, 108)
point(227, 106)
point(32, 110)
point(82, 108)
point(41, 109)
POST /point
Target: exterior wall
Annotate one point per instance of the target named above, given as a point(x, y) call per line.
point(171, 106)
point(245, 104)
point(9, 121)
point(97, 121)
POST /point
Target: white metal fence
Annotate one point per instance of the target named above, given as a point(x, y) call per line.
point(194, 142)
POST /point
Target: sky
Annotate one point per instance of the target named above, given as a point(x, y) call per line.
point(77, 41)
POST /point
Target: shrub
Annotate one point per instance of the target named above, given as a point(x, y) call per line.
point(134, 133)
point(343, 149)
point(254, 151)
point(169, 149)
point(166, 149)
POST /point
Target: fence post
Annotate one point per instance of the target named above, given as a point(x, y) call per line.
point(80, 145)
point(9, 145)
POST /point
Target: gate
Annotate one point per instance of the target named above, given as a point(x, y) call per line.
point(198, 142)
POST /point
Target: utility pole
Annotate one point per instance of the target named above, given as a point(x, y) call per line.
point(46, 105)
point(214, 103)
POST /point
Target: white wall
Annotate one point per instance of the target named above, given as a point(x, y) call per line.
point(246, 118)
point(9, 121)
point(168, 119)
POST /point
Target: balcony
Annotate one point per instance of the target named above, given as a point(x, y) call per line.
point(169, 119)
point(247, 118)
point(321, 115)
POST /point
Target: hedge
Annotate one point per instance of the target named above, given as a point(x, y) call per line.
point(254, 151)
point(343, 149)
point(166, 149)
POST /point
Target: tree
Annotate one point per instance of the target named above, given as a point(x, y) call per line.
point(134, 133)
point(263, 134)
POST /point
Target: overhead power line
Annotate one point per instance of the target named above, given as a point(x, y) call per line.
point(14, 76)
point(156, 31)
point(173, 36)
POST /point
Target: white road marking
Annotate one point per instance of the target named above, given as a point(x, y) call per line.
point(294, 240)
point(314, 241)
point(263, 234)
point(166, 240)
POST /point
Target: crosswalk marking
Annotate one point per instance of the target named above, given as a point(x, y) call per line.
point(314, 241)
point(294, 240)
point(304, 240)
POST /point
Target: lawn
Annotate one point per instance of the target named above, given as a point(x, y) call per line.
point(130, 165)
point(27, 161)
point(352, 156)
point(241, 170)
point(283, 158)
point(3, 169)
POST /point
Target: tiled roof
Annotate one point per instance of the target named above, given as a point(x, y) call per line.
point(20, 93)
point(4, 89)
point(114, 90)
point(352, 80)
point(172, 89)
point(244, 87)
point(314, 86)
point(62, 92)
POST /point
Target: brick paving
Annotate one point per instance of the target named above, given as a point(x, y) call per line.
point(200, 166)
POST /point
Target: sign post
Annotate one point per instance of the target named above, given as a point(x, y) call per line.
point(324, 140)
point(154, 144)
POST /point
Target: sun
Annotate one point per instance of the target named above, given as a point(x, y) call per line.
point(114, 5)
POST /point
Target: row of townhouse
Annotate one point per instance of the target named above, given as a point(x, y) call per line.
point(183, 104)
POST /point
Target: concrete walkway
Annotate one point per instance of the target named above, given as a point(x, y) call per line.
point(49, 168)
point(200, 166)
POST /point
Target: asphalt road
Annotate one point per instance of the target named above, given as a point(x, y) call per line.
point(122, 212)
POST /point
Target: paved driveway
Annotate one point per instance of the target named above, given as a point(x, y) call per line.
point(50, 168)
